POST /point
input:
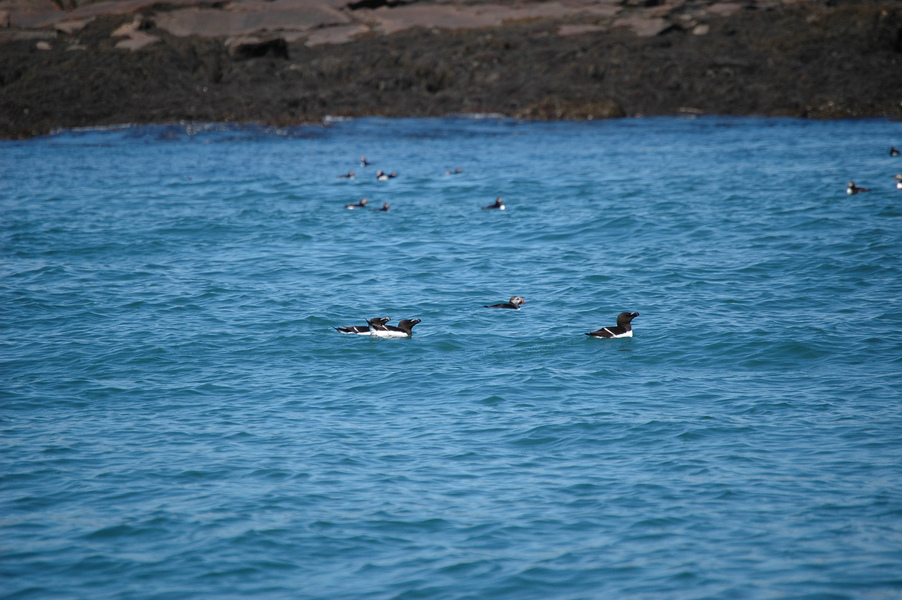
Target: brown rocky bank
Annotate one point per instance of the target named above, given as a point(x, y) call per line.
point(197, 61)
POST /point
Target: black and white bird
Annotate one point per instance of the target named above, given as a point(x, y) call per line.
point(377, 323)
point(348, 175)
point(854, 189)
point(385, 207)
point(362, 204)
point(898, 179)
point(499, 204)
point(383, 176)
point(514, 303)
point(623, 328)
point(364, 162)
point(893, 151)
point(403, 330)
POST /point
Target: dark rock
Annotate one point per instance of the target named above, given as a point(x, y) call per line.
point(245, 48)
point(808, 59)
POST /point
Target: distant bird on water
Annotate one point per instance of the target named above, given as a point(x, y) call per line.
point(348, 175)
point(384, 208)
point(456, 171)
point(362, 204)
point(364, 162)
point(854, 189)
point(514, 303)
point(898, 179)
point(383, 176)
point(623, 328)
point(893, 151)
point(499, 204)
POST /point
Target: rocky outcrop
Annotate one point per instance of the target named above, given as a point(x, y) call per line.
point(294, 61)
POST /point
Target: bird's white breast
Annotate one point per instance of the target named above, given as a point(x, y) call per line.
point(388, 334)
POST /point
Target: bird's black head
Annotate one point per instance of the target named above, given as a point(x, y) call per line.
point(624, 318)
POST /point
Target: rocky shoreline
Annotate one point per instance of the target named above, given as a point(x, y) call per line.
point(287, 62)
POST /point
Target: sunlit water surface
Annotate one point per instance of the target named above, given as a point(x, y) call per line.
point(180, 419)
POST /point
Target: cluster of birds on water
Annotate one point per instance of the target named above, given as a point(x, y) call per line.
point(379, 326)
point(852, 189)
point(383, 176)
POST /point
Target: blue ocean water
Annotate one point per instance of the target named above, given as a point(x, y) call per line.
point(180, 419)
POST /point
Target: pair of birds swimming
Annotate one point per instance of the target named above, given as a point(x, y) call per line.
point(499, 204)
point(363, 202)
point(622, 329)
point(381, 175)
point(379, 327)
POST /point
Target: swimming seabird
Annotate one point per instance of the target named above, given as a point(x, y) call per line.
point(499, 204)
point(378, 323)
point(348, 175)
point(362, 204)
point(404, 329)
point(514, 303)
point(854, 189)
point(384, 208)
point(623, 328)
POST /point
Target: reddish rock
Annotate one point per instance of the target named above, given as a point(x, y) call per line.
point(137, 40)
point(644, 26)
point(724, 9)
point(72, 25)
point(565, 30)
point(335, 35)
point(248, 18)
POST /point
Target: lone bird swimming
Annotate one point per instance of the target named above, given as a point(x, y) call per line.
point(403, 330)
point(623, 328)
point(514, 303)
point(499, 204)
point(348, 175)
point(385, 207)
point(854, 189)
point(362, 204)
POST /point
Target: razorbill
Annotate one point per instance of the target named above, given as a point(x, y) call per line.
point(854, 189)
point(378, 323)
point(499, 204)
point(361, 204)
point(622, 329)
point(514, 303)
point(404, 329)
